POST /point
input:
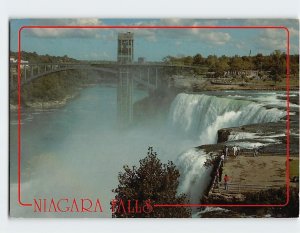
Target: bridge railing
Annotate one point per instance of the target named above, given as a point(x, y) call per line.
point(237, 188)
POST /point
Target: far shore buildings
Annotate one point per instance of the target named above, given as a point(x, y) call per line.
point(14, 69)
point(23, 62)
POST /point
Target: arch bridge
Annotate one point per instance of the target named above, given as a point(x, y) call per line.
point(148, 75)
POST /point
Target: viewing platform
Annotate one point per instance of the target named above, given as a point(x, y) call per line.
point(250, 174)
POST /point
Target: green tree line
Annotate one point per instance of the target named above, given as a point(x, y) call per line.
point(52, 87)
point(33, 57)
point(275, 63)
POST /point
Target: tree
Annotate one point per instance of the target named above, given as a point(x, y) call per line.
point(152, 182)
point(258, 61)
point(211, 62)
point(294, 64)
point(278, 65)
point(198, 59)
point(221, 67)
point(274, 75)
point(187, 60)
point(236, 63)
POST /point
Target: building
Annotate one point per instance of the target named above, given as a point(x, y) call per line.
point(23, 64)
point(13, 60)
point(125, 48)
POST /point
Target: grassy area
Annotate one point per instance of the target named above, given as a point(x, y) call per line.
point(294, 168)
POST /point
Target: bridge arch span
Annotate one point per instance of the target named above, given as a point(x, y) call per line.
point(39, 75)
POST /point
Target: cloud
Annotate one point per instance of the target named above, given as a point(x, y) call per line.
point(152, 35)
point(79, 21)
point(273, 39)
point(147, 34)
point(265, 39)
point(213, 37)
point(187, 22)
point(64, 33)
point(105, 34)
point(291, 24)
point(294, 31)
point(240, 45)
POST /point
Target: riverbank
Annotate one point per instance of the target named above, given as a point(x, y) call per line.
point(45, 105)
point(195, 84)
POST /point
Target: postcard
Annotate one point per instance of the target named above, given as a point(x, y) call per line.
point(154, 118)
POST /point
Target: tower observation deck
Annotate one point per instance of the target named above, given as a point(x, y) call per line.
point(125, 81)
point(125, 48)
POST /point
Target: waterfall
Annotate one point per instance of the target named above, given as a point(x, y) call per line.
point(199, 117)
point(194, 176)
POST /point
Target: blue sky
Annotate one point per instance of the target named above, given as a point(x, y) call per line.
point(154, 44)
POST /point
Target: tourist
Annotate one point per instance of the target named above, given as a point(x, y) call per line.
point(226, 179)
point(234, 150)
point(255, 151)
point(226, 151)
point(220, 174)
point(222, 159)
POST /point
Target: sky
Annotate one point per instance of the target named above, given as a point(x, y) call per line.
point(154, 44)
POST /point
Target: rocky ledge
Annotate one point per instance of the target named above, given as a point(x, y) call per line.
point(271, 139)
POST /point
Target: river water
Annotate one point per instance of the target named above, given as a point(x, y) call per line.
point(77, 151)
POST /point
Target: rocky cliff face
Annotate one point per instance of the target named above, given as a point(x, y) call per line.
point(270, 196)
point(223, 135)
point(218, 198)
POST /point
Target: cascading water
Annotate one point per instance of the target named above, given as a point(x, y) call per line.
point(200, 117)
point(80, 140)
point(194, 175)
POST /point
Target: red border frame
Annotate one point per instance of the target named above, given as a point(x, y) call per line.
point(167, 27)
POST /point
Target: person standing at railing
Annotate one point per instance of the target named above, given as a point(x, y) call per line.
point(234, 148)
point(226, 180)
point(220, 174)
point(226, 150)
point(255, 151)
point(222, 157)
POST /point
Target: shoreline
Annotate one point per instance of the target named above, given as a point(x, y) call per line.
point(205, 84)
point(40, 106)
point(215, 87)
point(45, 105)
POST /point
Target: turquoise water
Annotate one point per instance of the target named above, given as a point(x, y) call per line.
point(78, 150)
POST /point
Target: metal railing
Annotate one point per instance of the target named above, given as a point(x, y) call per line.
point(241, 188)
